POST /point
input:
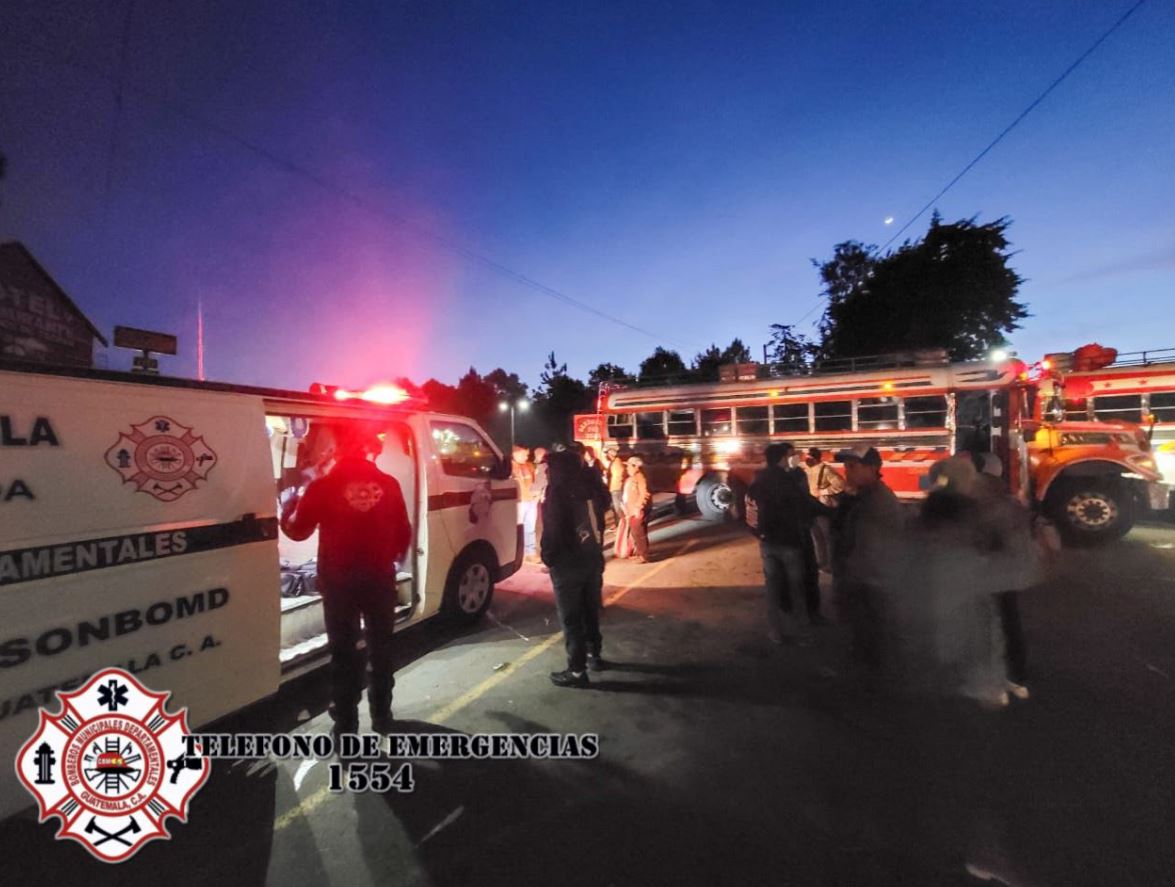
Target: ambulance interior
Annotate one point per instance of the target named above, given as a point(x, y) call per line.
point(303, 448)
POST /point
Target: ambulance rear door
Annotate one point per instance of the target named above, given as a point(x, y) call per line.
point(146, 541)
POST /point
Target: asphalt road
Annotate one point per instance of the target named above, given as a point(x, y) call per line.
point(723, 759)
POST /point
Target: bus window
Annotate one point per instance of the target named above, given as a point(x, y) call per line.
point(877, 413)
point(1118, 408)
point(926, 412)
point(753, 420)
point(650, 426)
point(716, 422)
point(834, 415)
point(1162, 406)
point(791, 418)
point(619, 426)
point(683, 422)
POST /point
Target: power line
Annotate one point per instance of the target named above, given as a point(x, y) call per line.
point(1007, 129)
point(307, 174)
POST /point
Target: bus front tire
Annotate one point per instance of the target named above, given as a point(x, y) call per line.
point(714, 498)
point(469, 587)
point(1091, 511)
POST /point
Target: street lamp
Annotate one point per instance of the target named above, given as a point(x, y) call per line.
point(522, 405)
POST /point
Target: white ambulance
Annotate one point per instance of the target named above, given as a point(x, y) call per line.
point(138, 528)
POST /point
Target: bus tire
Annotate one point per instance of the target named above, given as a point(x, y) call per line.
point(714, 498)
point(469, 587)
point(1091, 511)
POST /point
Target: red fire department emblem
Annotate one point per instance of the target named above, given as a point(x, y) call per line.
point(112, 765)
point(161, 457)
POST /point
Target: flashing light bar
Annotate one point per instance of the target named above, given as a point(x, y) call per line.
point(384, 394)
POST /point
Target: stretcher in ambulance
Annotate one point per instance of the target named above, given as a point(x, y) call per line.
point(138, 528)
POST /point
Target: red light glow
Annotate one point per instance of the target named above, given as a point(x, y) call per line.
point(386, 394)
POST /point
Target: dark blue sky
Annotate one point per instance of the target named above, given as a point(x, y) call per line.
point(673, 164)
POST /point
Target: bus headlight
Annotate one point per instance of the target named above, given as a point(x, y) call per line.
point(1143, 462)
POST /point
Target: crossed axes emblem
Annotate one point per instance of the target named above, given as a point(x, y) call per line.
point(131, 828)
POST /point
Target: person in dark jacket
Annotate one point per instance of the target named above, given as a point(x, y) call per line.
point(363, 531)
point(594, 478)
point(785, 512)
point(571, 550)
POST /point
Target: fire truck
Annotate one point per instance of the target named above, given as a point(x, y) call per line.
point(1138, 387)
point(704, 442)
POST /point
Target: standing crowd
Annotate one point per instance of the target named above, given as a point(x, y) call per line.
point(930, 596)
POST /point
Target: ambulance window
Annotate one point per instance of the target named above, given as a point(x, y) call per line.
point(753, 420)
point(1163, 406)
point(1118, 408)
point(650, 426)
point(716, 422)
point(462, 451)
point(619, 426)
point(834, 415)
point(791, 418)
point(926, 412)
point(877, 413)
point(683, 422)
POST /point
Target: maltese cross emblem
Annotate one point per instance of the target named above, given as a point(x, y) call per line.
point(112, 766)
point(161, 457)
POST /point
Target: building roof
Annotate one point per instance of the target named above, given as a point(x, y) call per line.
point(16, 248)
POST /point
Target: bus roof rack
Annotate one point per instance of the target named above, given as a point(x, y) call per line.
point(1144, 358)
point(925, 357)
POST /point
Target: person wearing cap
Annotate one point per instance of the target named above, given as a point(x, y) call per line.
point(637, 502)
point(864, 530)
point(616, 473)
point(785, 512)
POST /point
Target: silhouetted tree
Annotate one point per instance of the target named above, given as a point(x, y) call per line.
point(560, 397)
point(663, 366)
point(953, 289)
point(606, 372)
point(789, 351)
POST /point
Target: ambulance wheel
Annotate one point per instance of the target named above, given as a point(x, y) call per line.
point(1091, 511)
point(714, 498)
point(469, 587)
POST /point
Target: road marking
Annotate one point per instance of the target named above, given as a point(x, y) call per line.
point(316, 798)
point(493, 680)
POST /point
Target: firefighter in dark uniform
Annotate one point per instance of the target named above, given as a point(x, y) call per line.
point(364, 531)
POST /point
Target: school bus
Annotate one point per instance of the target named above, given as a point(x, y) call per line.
point(1099, 384)
point(704, 442)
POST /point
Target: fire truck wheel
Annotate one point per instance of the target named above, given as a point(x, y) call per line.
point(714, 498)
point(1091, 511)
point(469, 587)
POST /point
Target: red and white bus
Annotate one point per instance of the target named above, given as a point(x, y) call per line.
point(1139, 387)
point(706, 441)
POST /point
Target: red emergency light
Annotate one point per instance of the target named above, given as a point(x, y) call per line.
point(384, 393)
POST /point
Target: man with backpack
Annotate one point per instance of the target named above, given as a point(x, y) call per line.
point(572, 552)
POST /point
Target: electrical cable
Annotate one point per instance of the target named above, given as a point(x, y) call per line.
point(298, 170)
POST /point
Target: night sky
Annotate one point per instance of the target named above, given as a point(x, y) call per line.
point(676, 165)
